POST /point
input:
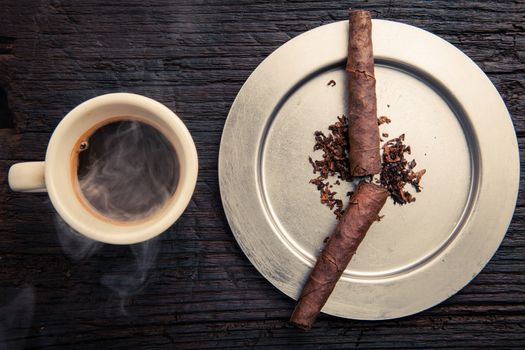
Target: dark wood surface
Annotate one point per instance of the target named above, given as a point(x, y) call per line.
point(193, 287)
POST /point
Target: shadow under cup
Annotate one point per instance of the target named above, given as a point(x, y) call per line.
point(100, 119)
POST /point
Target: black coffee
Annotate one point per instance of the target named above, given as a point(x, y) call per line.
point(127, 170)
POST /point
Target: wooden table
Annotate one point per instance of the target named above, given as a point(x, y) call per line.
point(194, 288)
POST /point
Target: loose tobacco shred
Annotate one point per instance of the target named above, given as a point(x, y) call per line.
point(397, 171)
point(382, 120)
point(334, 162)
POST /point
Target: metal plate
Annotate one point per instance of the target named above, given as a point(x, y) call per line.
point(459, 130)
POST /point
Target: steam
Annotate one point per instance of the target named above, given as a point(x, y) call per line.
point(127, 283)
point(74, 245)
point(127, 170)
point(124, 279)
point(16, 315)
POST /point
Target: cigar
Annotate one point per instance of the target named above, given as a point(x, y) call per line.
point(363, 131)
point(367, 201)
point(362, 210)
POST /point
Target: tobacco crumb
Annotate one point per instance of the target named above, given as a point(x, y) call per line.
point(334, 162)
point(334, 147)
point(383, 119)
point(385, 134)
point(328, 196)
point(326, 239)
point(349, 194)
point(388, 106)
point(331, 83)
point(379, 217)
point(339, 210)
point(397, 171)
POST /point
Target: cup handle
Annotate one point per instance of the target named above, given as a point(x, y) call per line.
point(27, 177)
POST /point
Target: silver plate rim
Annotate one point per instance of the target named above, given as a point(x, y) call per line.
point(462, 259)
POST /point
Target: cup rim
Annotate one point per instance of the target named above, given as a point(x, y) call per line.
point(187, 177)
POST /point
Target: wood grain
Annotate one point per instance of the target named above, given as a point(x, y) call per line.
point(202, 292)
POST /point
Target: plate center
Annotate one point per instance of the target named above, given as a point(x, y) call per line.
point(408, 235)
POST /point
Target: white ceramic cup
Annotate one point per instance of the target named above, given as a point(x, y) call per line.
point(54, 175)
